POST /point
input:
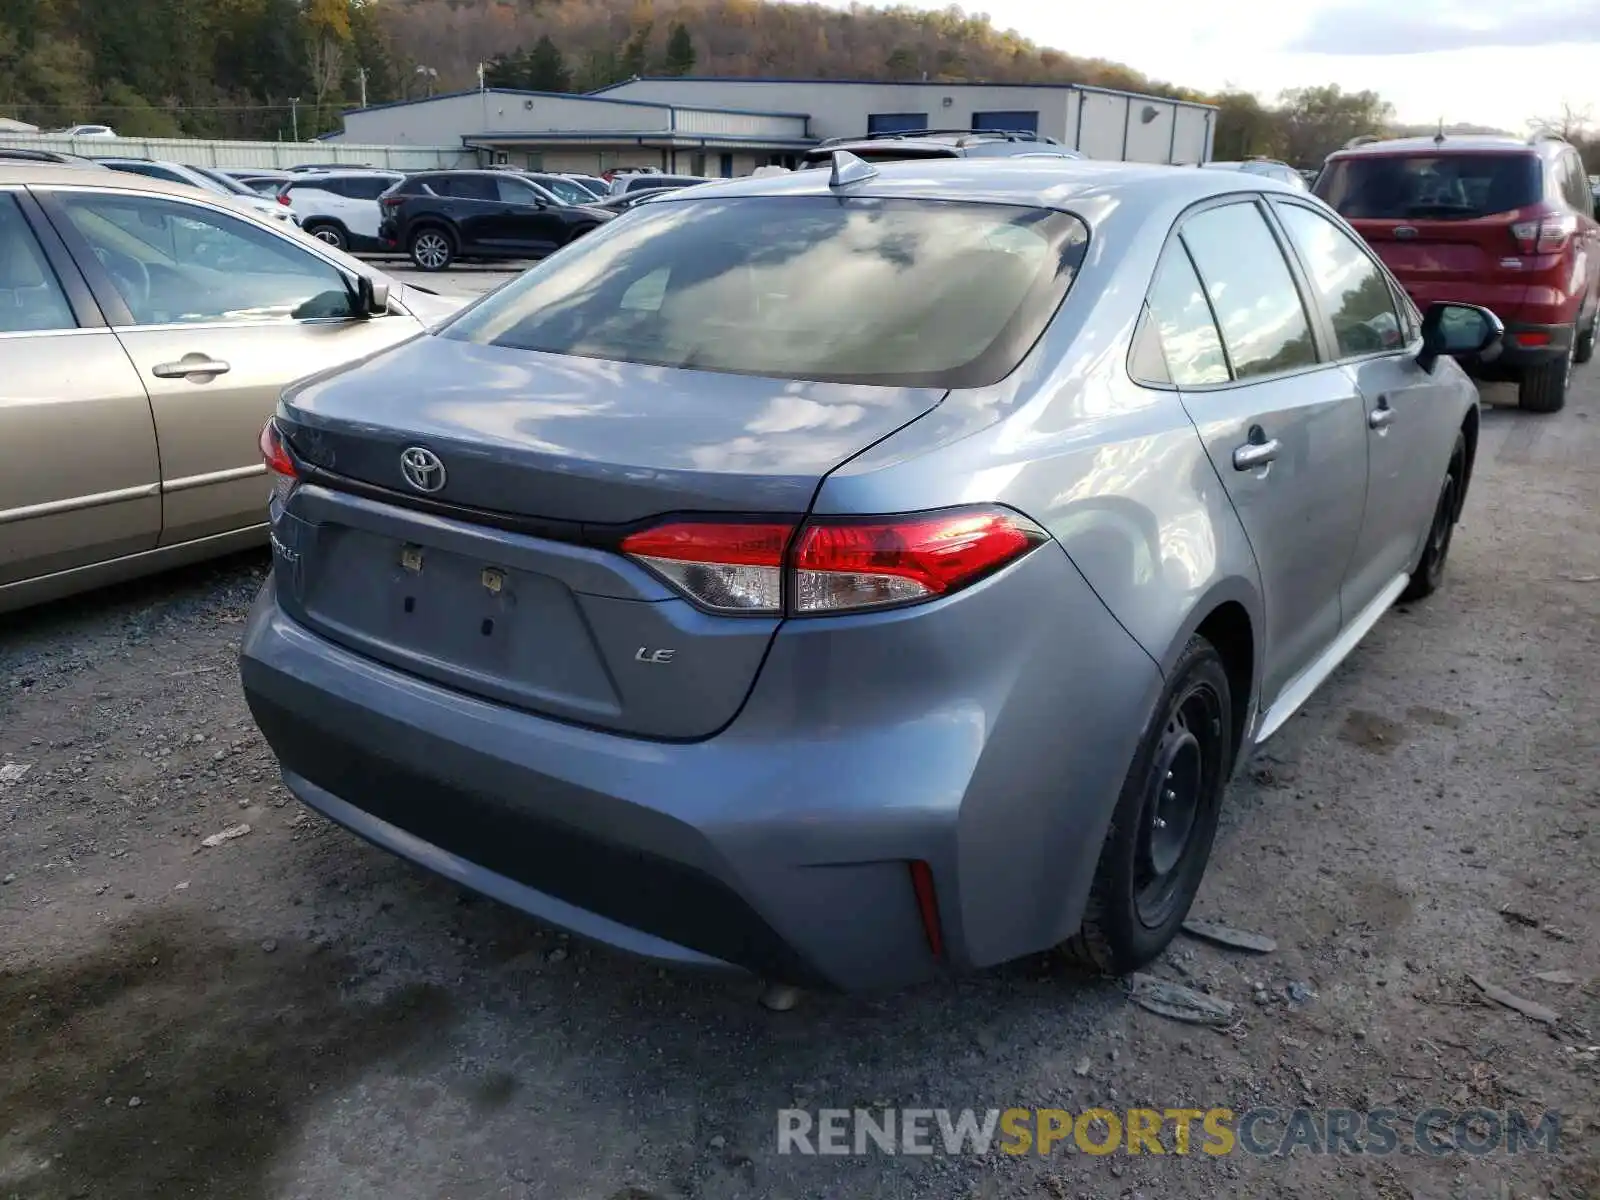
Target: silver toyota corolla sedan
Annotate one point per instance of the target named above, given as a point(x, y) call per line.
point(857, 574)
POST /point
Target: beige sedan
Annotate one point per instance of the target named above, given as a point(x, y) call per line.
point(146, 330)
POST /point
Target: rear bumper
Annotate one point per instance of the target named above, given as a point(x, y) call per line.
point(1524, 346)
point(783, 844)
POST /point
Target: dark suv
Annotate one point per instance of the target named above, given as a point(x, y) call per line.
point(1495, 221)
point(439, 216)
point(914, 144)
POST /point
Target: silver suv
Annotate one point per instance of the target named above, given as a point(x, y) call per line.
point(855, 574)
point(940, 143)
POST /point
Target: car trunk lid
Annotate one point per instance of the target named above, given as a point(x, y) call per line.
point(588, 440)
point(505, 582)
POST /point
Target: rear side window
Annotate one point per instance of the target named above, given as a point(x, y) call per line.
point(1182, 318)
point(1247, 280)
point(366, 188)
point(1353, 290)
point(1575, 184)
point(31, 298)
point(857, 290)
point(1440, 187)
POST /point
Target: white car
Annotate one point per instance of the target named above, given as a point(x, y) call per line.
point(210, 181)
point(88, 131)
point(339, 207)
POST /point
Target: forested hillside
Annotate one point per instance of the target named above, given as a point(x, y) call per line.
point(271, 68)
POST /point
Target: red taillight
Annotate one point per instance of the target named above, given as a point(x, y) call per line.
point(730, 567)
point(279, 465)
point(837, 564)
point(283, 199)
point(391, 201)
point(1546, 235)
point(866, 564)
point(273, 452)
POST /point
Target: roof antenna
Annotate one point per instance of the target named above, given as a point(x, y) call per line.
point(848, 169)
point(1438, 138)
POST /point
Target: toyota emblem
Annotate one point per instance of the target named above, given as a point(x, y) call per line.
point(422, 469)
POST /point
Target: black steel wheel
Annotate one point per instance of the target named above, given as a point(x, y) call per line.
point(1156, 850)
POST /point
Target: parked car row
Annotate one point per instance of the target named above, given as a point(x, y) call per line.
point(570, 587)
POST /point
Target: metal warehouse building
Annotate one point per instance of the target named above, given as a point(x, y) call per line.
point(729, 127)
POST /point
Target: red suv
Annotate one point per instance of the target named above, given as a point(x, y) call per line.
point(1494, 221)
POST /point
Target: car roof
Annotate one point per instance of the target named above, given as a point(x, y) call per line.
point(47, 174)
point(1033, 182)
point(311, 177)
point(1466, 144)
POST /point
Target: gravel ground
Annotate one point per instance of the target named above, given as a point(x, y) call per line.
point(292, 1013)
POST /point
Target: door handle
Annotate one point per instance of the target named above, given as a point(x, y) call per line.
point(190, 364)
point(1382, 416)
point(1257, 452)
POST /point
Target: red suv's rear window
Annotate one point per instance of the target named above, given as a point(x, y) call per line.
point(1441, 187)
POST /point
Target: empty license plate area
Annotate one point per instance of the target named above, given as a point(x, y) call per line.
point(503, 632)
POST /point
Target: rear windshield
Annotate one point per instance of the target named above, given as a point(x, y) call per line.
point(852, 290)
point(1439, 187)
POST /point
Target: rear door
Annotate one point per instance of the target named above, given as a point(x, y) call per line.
point(473, 202)
point(1585, 249)
point(1377, 342)
point(217, 314)
point(360, 202)
point(81, 482)
point(1442, 222)
point(1283, 427)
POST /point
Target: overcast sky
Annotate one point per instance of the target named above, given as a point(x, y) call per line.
point(1497, 62)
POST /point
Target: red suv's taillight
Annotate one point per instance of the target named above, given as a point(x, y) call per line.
point(280, 467)
point(832, 564)
point(1546, 235)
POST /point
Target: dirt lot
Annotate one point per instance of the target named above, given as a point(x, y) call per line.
point(294, 1014)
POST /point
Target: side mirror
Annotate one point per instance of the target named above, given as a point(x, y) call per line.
point(371, 296)
point(1462, 329)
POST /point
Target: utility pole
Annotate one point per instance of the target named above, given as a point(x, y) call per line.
point(294, 116)
point(361, 74)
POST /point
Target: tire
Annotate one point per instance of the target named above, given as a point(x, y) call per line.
point(1584, 350)
point(431, 248)
point(328, 231)
point(1428, 574)
point(1156, 850)
point(1543, 389)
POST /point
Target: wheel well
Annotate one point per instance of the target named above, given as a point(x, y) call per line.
point(1469, 430)
point(311, 222)
point(1228, 629)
